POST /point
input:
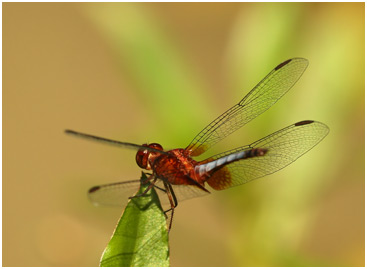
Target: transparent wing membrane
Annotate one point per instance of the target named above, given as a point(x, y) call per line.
point(182, 192)
point(265, 94)
point(283, 147)
point(117, 194)
point(114, 194)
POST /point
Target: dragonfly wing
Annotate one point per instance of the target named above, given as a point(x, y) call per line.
point(265, 94)
point(117, 194)
point(112, 142)
point(114, 194)
point(182, 192)
point(283, 147)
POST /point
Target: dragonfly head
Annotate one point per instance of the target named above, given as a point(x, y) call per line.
point(144, 157)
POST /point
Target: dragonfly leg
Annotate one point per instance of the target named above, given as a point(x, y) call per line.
point(173, 201)
point(147, 179)
point(197, 184)
point(159, 188)
point(151, 185)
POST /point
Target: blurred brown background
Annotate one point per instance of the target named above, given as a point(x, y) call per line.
point(148, 72)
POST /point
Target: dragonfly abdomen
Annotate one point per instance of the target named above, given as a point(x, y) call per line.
point(210, 167)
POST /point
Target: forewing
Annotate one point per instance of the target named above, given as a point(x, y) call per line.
point(117, 194)
point(266, 93)
point(283, 147)
point(113, 142)
point(114, 194)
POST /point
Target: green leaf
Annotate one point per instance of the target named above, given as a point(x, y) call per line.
point(141, 236)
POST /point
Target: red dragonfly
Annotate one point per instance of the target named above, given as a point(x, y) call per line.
point(180, 177)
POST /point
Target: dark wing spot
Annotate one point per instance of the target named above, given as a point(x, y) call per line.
point(93, 189)
point(283, 64)
point(304, 122)
point(221, 179)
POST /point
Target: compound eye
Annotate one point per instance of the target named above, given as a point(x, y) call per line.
point(155, 146)
point(142, 158)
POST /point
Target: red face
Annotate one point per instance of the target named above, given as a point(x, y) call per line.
point(144, 157)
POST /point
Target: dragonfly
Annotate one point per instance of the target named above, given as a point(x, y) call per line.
point(178, 175)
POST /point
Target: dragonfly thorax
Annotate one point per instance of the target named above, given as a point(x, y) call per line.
point(144, 157)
